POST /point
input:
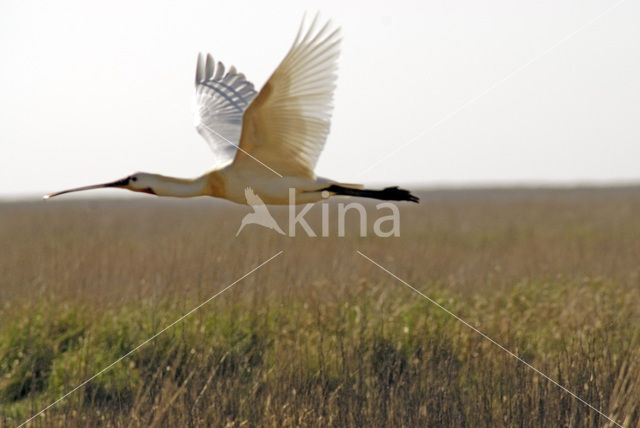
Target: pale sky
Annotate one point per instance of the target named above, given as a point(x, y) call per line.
point(91, 92)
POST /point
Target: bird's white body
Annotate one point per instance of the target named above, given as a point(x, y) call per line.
point(270, 140)
point(273, 190)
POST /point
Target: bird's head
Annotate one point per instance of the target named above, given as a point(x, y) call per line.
point(138, 182)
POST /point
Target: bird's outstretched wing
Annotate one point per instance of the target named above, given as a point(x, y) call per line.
point(286, 125)
point(221, 99)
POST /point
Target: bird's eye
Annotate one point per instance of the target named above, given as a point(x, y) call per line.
point(134, 178)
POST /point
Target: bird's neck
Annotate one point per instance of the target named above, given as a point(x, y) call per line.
point(180, 187)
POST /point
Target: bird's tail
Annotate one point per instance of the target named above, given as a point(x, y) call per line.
point(386, 194)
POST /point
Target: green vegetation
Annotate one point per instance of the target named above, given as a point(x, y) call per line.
point(320, 336)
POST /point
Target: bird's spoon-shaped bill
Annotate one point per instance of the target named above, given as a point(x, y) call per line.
point(118, 183)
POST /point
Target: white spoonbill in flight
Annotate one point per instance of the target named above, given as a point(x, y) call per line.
point(270, 140)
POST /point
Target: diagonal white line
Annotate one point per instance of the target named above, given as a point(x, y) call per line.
point(491, 88)
point(241, 149)
point(151, 338)
point(492, 341)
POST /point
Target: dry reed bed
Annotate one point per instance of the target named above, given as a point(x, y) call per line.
point(319, 336)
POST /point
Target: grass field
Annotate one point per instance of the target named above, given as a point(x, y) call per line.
point(319, 336)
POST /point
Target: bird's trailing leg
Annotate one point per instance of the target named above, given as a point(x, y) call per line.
point(386, 194)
